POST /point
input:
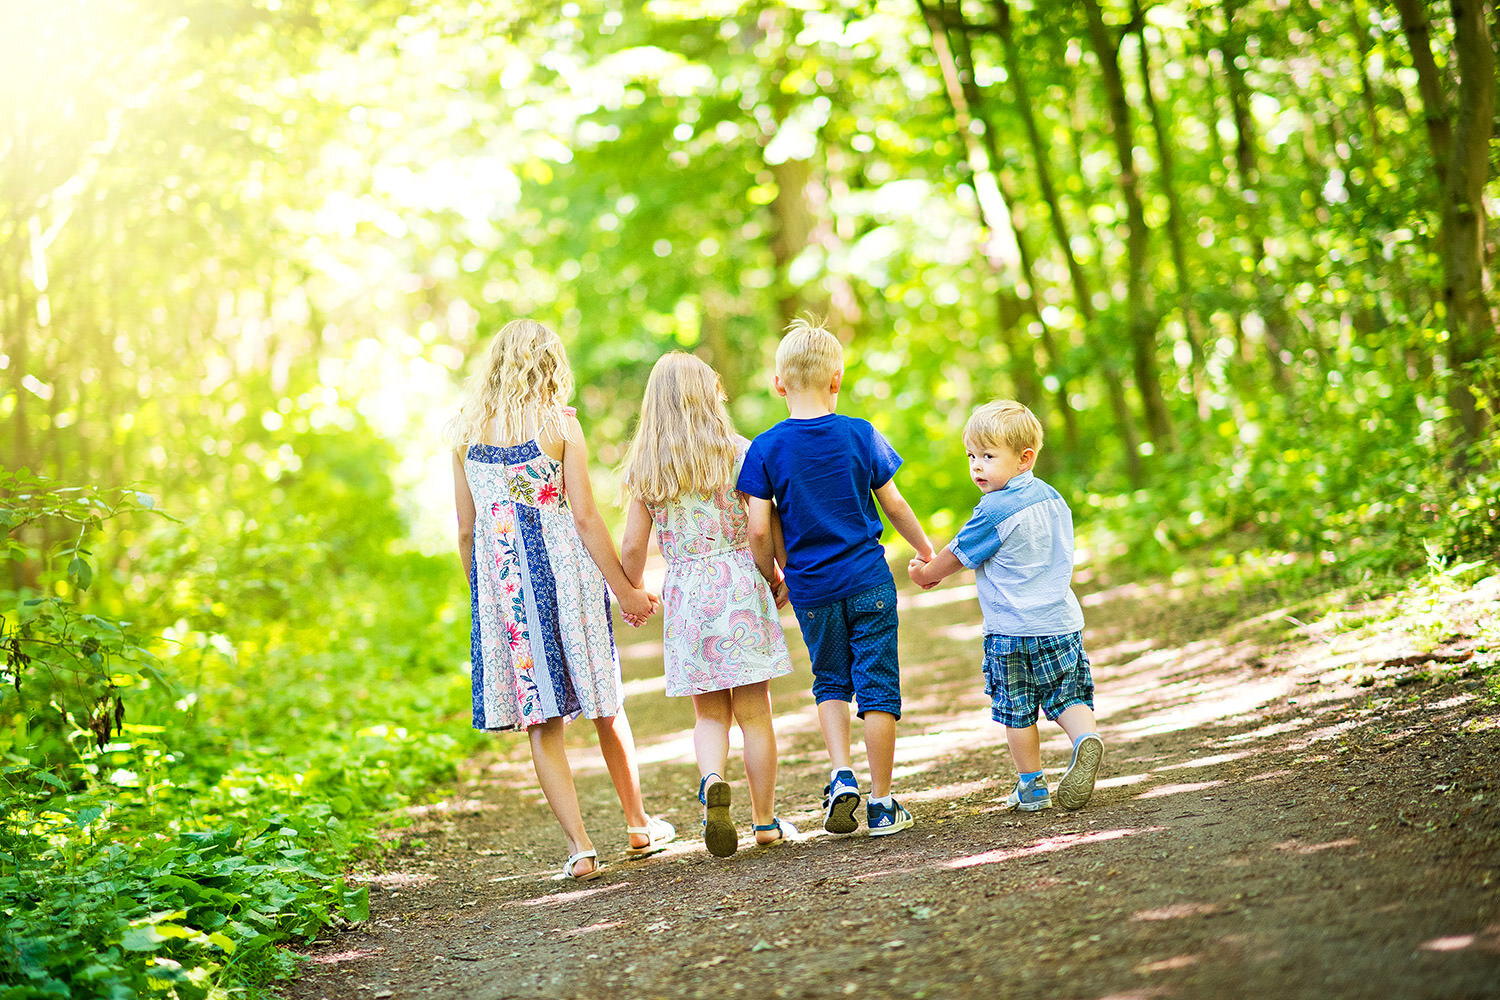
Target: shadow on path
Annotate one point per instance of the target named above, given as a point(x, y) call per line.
point(1285, 811)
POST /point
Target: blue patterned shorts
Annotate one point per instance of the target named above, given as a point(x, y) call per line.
point(853, 648)
point(1025, 673)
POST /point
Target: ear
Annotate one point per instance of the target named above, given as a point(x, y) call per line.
point(836, 382)
point(778, 385)
point(1028, 459)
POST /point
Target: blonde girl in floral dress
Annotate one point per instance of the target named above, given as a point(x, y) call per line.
point(538, 556)
point(722, 636)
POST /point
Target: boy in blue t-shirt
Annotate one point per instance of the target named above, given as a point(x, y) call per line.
point(825, 473)
point(1019, 542)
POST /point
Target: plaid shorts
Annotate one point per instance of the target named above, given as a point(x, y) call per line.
point(1025, 673)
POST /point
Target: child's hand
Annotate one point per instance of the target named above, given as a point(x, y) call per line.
point(638, 605)
point(917, 570)
point(781, 594)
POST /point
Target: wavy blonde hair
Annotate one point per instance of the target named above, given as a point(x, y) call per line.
point(684, 441)
point(519, 388)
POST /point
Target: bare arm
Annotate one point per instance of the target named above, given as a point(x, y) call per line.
point(591, 527)
point(637, 538)
point(765, 530)
point(903, 520)
point(928, 573)
point(463, 501)
point(767, 546)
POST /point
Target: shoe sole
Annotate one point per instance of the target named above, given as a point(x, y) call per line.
point(840, 817)
point(719, 835)
point(1077, 784)
point(896, 827)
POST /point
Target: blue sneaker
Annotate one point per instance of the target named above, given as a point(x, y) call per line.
point(1077, 782)
point(884, 820)
point(840, 800)
point(1029, 796)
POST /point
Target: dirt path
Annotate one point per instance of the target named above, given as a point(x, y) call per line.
point(1286, 811)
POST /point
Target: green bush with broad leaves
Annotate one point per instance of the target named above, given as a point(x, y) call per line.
point(190, 783)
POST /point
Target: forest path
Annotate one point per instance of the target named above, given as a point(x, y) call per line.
point(1284, 811)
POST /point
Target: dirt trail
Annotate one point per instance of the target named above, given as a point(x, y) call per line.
point(1286, 811)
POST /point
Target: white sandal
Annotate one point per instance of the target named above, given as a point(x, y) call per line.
point(659, 832)
point(572, 862)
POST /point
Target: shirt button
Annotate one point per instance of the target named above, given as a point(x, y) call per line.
point(880, 604)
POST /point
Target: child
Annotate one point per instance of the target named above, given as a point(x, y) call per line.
point(821, 470)
point(1019, 542)
point(538, 556)
point(722, 638)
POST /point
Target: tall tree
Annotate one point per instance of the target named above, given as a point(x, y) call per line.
point(1140, 315)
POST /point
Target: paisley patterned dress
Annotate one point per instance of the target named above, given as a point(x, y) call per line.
point(542, 642)
point(721, 628)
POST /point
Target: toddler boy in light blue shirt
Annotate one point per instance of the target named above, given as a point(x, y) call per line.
point(1019, 542)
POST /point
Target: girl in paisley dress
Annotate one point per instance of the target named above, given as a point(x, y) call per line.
point(722, 636)
point(538, 556)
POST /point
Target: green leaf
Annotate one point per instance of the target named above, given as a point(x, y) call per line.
point(80, 572)
point(142, 938)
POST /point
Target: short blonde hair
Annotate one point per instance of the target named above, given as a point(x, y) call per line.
point(808, 356)
point(684, 442)
point(1004, 422)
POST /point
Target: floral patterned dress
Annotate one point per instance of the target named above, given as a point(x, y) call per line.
point(721, 628)
point(542, 642)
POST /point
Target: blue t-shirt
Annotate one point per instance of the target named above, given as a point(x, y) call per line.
point(1019, 542)
point(821, 473)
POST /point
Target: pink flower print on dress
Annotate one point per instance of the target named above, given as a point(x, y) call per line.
point(514, 635)
point(495, 509)
point(548, 494)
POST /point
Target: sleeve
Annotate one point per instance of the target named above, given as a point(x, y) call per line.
point(980, 538)
point(753, 479)
point(884, 461)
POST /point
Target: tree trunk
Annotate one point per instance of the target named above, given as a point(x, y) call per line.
point(1471, 320)
point(1415, 25)
point(1163, 137)
point(1269, 305)
point(1139, 318)
point(984, 157)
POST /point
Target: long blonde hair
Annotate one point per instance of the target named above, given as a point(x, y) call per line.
point(518, 388)
point(684, 441)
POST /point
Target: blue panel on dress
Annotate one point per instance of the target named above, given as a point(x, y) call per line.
point(544, 593)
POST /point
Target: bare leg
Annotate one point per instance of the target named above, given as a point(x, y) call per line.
point(549, 758)
point(711, 732)
point(617, 744)
point(752, 710)
point(1025, 747)
point(833, 719)
point(1077, 720)
point(880, 747)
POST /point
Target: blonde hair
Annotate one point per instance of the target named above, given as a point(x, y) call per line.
point(1004, 422)
point(684, 441)
point(808, 356)
point(518, 388)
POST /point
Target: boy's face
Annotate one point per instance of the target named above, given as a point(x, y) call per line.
point(991, 466)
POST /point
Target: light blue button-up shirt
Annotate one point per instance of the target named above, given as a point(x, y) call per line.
point(1019, 542)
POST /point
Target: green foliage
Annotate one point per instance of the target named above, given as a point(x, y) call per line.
point(183, 846)
point(66, 672)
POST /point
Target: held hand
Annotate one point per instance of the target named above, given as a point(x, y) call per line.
point(917, 570)
point(781, 594)
point(638, 604)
